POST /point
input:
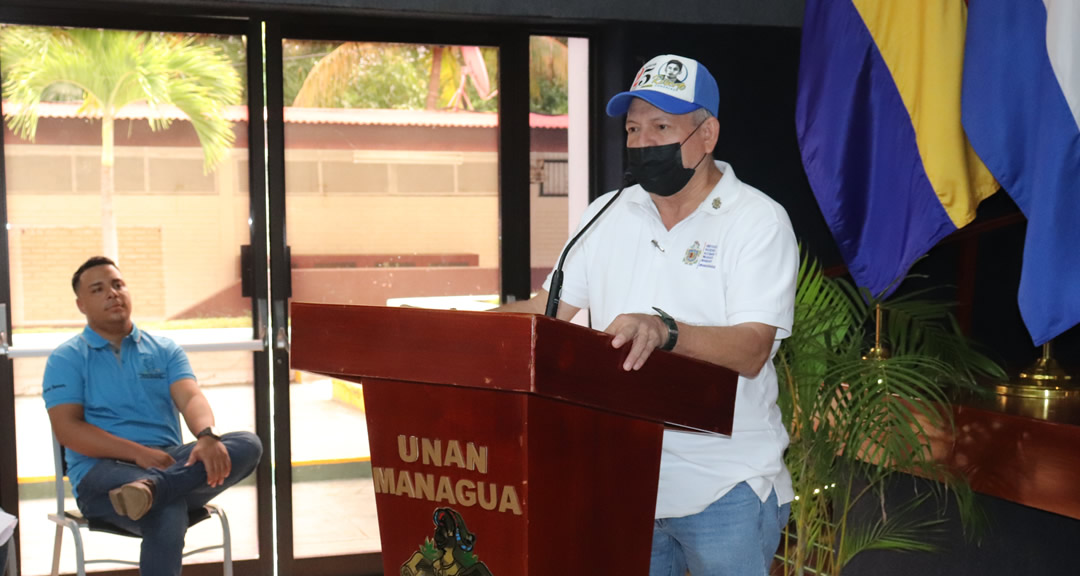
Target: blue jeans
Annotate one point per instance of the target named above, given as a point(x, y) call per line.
point(735, 536)
point(177, 489)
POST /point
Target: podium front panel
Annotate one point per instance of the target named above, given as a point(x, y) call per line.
point(502, 483)
point(449, 471)
point(592, 490)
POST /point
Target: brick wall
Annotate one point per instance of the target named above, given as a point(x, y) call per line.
point(197, 244)
point(383, 224)
point(201, 220)
point(49, 255)
point(549, 228)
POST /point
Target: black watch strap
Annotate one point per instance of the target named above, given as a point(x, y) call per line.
point(672, 329)
point(208, 431)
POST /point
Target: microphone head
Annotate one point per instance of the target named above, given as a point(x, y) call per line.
point(628, 179)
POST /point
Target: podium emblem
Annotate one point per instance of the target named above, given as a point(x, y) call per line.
point(449, 553)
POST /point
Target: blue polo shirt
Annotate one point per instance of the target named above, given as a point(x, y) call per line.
point(125, 394)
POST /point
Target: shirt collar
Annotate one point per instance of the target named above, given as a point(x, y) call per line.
point(721, 197)
point(96, 340)
point(725, 192)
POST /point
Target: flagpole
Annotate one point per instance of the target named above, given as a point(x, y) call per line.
point(878, 352)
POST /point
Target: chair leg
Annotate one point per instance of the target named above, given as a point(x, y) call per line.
point(226, 540)
point(80, 565)
point(56, 550)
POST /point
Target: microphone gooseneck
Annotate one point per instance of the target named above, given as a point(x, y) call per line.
point(555, 291)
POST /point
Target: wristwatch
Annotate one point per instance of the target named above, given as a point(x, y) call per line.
point(208, 431)
point(672, 329)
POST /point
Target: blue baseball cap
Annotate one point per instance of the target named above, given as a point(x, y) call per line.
point(674, 84)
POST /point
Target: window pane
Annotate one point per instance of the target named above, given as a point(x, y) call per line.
point(559, 146)
point(392, 196)
point(179, 215)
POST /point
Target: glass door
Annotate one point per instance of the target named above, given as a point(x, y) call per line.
point(102, 157)
point(392, 199)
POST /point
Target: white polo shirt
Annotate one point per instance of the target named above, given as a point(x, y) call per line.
point(733, 260)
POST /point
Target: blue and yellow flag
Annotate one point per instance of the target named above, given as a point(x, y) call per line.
point(878, 121)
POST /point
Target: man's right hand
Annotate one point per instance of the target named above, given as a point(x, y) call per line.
point(153, 458)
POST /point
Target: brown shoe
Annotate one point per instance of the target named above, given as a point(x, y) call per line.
point(133, 499)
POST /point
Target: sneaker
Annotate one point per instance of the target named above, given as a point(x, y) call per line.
point(133, 499)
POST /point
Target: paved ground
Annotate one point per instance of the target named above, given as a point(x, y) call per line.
point(332, 516)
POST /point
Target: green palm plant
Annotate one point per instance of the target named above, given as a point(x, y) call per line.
point(856, 421)
point(398, 76)
point(405, 76)
point(111, 69)
point(549, 75)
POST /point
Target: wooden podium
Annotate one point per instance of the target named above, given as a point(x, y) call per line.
point(509, 444)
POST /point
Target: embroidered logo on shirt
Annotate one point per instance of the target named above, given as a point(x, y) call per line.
point(693, 253)
point(708, 256)
point(716, 203)
point(149, 370)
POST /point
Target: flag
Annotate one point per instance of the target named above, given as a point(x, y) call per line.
point(1021, 109)
point(878, 121)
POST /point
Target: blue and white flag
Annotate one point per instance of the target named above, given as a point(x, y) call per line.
point(1021, 112)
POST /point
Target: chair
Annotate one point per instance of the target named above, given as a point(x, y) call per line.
point(73, 520)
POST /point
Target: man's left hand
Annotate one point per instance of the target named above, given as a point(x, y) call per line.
point(214, 456)
point(644, 332)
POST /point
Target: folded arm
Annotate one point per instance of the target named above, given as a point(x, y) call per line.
point(75, 433)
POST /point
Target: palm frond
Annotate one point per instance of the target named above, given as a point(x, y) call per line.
point(851, 417)
point(201, 83)
point(114, 68)
point(331, 75)
point(902, 530)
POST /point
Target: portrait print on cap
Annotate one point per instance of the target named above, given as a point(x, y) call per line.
point(666, 74)
point(673, 71)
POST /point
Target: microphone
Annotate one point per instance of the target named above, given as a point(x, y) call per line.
point(557, 276)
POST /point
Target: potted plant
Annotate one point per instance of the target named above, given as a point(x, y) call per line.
point(858, 415)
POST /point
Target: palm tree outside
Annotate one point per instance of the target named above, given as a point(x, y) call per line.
point(111, 69)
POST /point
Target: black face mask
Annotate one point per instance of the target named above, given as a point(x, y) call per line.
point(659, 169)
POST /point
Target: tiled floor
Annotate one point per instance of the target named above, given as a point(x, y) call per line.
point(337, 517)
point(330, 516)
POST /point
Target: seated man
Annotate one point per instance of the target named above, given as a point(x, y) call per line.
point(114, 394)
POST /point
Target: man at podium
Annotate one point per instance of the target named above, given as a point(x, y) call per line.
point(693, 260)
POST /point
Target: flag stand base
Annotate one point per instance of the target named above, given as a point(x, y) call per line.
point(1043, 379)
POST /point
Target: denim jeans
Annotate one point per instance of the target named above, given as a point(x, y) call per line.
point(735, 536)
point(176, 490)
